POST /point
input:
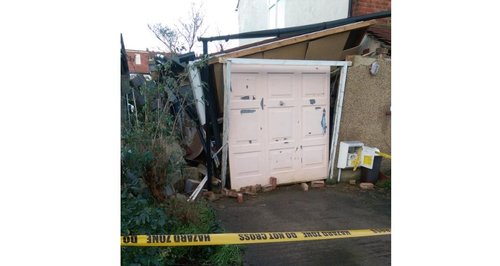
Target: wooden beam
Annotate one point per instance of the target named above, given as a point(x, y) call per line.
point(291, 40)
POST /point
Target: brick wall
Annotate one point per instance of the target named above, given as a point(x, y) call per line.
point(362, 7)
point(143, 68)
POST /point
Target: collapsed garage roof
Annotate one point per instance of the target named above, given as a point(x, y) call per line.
point(328, 44)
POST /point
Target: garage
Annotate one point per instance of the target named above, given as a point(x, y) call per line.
point(277, 120)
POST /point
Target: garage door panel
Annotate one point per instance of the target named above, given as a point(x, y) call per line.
point(280, 86)
point(315, 121)
point(313, 85)
point(281, 160)
point(314, 156)
point(245, 126)
point(281, 124)
point(240, 161)
point(244, 86)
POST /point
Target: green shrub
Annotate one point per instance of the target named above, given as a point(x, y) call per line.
point(150, 154)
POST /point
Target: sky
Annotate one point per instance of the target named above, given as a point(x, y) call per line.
point(220, 18)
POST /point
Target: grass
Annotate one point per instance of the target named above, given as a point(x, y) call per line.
point(199, 218)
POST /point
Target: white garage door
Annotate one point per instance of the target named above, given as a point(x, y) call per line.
point(278, 118)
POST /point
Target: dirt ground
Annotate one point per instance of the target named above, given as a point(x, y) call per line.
point(288, 208)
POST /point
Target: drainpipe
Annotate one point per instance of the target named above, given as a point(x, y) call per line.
point(293, 31)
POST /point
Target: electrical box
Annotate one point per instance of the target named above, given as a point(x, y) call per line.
point(348, 152)
point(368, 157)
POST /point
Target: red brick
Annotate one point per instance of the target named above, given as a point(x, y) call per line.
point(318, 183)
point(366, 185)
point(274, 181)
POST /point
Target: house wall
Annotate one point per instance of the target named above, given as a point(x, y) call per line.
point(366, 109)
point(142, 68)
point(254, 14)
point(363, 7)
point(299, 12)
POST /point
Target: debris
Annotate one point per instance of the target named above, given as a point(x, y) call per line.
point(190, 173)
point(266, 188)
point(209, 195)
point(190, 185)
point(169, 191)
point(253, 194)
point(304, 186)
point(202, 169)
point(246, 189)
point(258, 188)
point(352, 181)
point(229, 193)
point(216, 181)
point(318, 183)
point(240, 198)
point(366, 185)
point(198, 189)
point(273, 181)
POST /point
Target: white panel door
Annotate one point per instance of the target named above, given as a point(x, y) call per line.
point(278, 119)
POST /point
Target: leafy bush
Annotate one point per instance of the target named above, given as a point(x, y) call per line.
point(142, 215)
point(150, 154)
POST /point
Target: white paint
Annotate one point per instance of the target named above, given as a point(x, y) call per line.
point(286, 62)
point(278, 118)
point(252, 16)
point(195, 80)
point(338, 116)
point(198, 189)
point(348, 151)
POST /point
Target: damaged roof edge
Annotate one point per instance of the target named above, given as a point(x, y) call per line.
point(272, 44)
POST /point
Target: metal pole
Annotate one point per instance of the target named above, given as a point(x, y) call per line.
point(208, 150)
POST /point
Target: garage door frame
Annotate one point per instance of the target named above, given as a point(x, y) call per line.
point(338, 107)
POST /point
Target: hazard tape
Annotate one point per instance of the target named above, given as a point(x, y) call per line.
point(245, 238)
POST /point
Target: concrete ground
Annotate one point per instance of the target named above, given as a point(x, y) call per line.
point(288, 208)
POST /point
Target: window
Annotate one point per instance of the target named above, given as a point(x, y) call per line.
point(276, 13)
point(137, 59)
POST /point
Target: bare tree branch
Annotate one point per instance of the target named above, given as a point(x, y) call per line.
point(168, 36)
point(184, 35)
point(193, 27)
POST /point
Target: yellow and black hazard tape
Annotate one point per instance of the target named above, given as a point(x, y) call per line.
point(245, 238)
